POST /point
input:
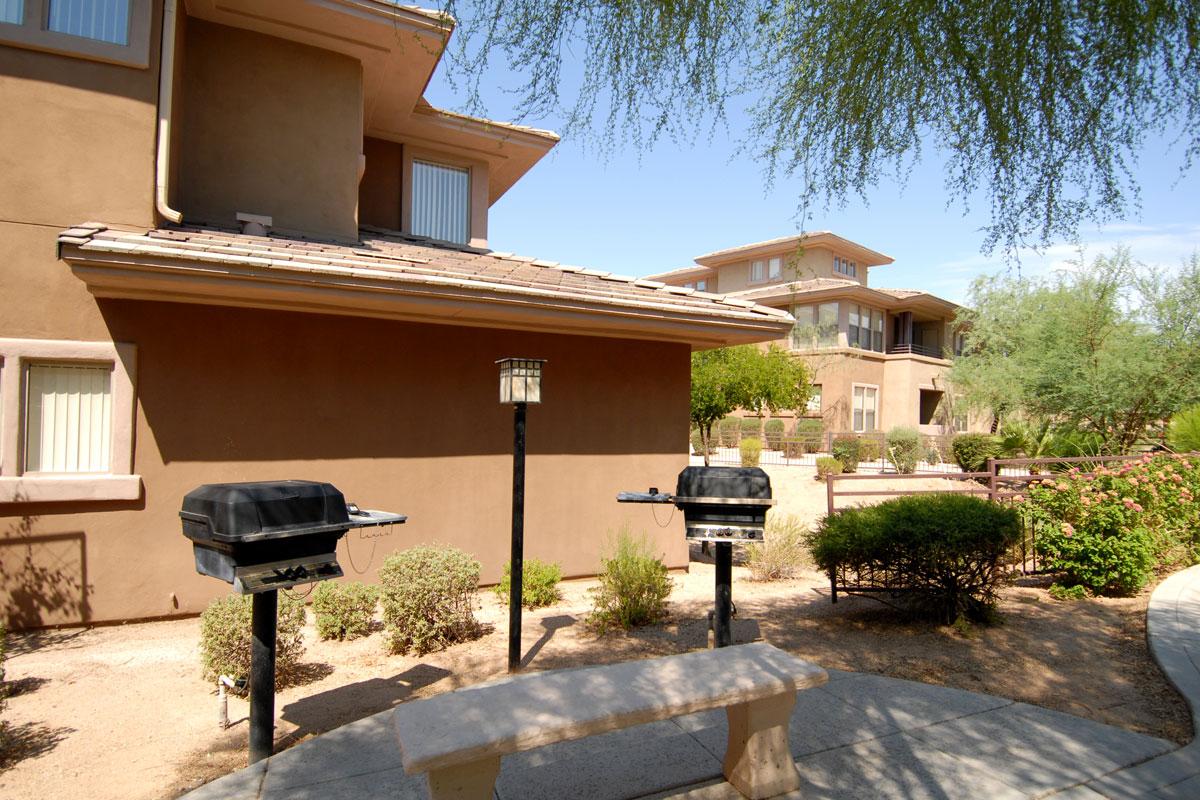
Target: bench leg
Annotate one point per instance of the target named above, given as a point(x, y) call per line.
point(758, 758)
point(475, 781)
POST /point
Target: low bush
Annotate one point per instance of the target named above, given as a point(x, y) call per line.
point(846, 449)
point(698, 444)
point(869, 449)
point(344, 610)
point(751, 427)
point(751, 450)
point(1109, 532)
point(781, 553)
point(428, 597)
point(729, 431)
point(810, 434)
point(634, 585)
point(972, 450)
point(773, 432)
point(944, 552)
point(828, 466)
point(1060, 592)
point(904, 449)
point(1184, 433)
point(225, 638)
point(539, 583)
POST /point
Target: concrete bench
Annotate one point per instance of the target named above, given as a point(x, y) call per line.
point(458, 738)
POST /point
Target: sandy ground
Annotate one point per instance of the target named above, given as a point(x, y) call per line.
point(121, 711)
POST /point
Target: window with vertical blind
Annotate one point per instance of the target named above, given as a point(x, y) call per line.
point(67, 412)
point(866, 328)
point(758, 271)
point(68, 418)
point(816, 326)
point(114, 31)
point(102, 20)
point(441, 201)
point(866, 400)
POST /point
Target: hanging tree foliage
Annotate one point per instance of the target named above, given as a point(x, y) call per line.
point(1041, 106)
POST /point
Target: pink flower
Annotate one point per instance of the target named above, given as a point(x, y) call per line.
point(1130, 503)
point(1087, 501)
point(1062, 487)
point(1068, 529)
point(1018, 498)
point(1176, 478)
point(1133, 481)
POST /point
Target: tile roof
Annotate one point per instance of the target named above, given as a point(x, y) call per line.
point(777, 290)
point(401, 262)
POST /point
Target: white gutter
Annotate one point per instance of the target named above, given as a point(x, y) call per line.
point(166, 93)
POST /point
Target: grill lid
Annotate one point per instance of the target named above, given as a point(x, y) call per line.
point(244, 512)
point(731, 483)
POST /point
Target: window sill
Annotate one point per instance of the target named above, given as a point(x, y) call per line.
point(66, 488)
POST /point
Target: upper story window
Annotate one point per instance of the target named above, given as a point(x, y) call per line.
point(866, 328)
point(105, 30)
point(441, 201)
point(766, 269)
point(960, 343)
point(816, 326)
point(845, 266)
point(699, 286)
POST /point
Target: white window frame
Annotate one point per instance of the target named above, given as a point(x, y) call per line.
point(19, 486)
point(774, 267)
point(758, 271)
point(862, 428)
point(35, 34)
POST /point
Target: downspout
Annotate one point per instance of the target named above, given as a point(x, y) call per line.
point(166, 96)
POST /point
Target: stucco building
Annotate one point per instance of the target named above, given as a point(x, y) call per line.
point(878, 357)
point(237, 244)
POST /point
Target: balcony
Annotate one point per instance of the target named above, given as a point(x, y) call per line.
point(915, 350)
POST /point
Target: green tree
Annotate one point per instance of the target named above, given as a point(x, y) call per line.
point(1040, 106)
point(1106, 349)
point(743, 377)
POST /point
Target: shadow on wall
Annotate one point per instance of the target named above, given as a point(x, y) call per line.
point(227, 384)
point(43, 577)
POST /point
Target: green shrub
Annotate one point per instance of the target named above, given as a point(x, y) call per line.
point(751, 450)
point(751, 427)
point(1184, 433)
point(810, 434)
point(729, 431)
point(344, 610)
point(904, 449)
point(225, 638)
point(846, 449)
point(944, 552)
point(428, 595)
point(698, 444)
point(539, 583)
point(972, 450)
point(773, 431)
point(634, 585)
point(1060, 592)
point(828, 466)
point(781, 553)
point(868, 449)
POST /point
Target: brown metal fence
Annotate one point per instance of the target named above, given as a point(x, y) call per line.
point(803, 449)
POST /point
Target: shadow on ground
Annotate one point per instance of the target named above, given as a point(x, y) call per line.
point(28, 740)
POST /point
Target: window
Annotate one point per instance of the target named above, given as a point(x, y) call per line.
point(774, 268)
point(845, 267)
point(865, 404)
point(877, 335)
point(701, 286)
point(102, 20)
point(441, 201)
point(927, 405)
point(758, 271)
point(67, 411)
point(804, 331)
point(117, 31)
point(814, 401)
point(960, 423)
point(866, 328)
point(827, 325)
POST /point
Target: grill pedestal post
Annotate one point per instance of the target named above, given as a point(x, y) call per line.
point(264, 609)
point(722, 634)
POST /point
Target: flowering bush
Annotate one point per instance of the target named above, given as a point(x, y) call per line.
point(1110, 531)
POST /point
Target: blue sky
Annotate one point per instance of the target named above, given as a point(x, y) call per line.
point(640, 213)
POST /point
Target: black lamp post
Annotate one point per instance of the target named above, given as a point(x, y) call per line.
point(520, 384)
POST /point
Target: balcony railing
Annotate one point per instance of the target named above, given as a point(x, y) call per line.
point(916, 350)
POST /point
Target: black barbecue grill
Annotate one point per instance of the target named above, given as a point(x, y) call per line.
point(262, 537)
point(724, 505)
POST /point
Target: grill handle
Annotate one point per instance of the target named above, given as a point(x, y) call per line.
point(652, 496)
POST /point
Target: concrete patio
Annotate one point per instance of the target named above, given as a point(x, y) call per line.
point(859, 736)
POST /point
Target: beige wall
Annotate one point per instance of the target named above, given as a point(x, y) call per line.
point(76, 140)
point(798, 265)
point(399, 416)
point(379, 191)
point(269, 127)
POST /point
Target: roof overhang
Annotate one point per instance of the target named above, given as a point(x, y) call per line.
point(162, 272)
point(399, 47)
point(796, 293)
point(822, 239)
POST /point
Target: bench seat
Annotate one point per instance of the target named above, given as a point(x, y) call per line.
point(459, 737)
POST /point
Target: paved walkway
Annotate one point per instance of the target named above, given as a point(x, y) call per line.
point(860, 736)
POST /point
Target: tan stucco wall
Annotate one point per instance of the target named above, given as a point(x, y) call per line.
point(399, 416)
point(379, 191)
point(270, 127)
point(798, 265)
point(76, 139)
